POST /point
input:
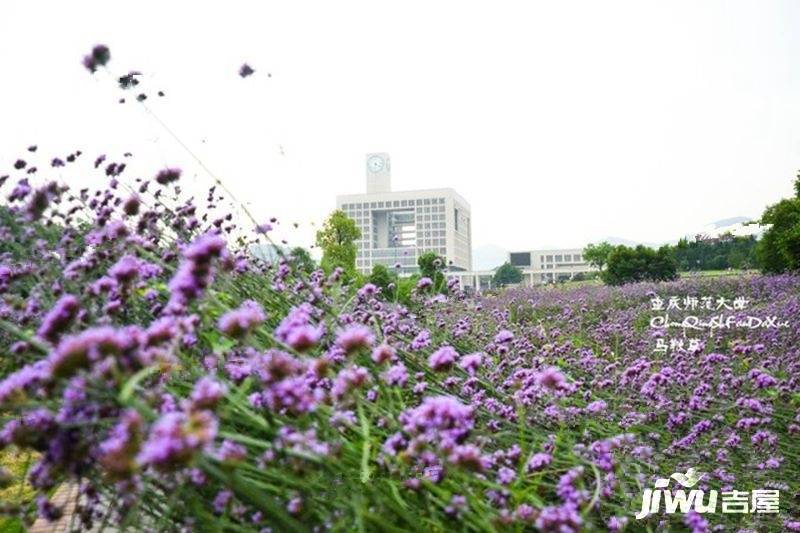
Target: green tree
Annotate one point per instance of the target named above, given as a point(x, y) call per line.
point(662, 266)
point(727, 251)
point(797, 186)
point(628, 265)
point(507, 274)
point(597, 254)
point(737, 259)
point(779, 247)
point(381, 277)
point(337, 241)
point(431, 266)
point(302, 259)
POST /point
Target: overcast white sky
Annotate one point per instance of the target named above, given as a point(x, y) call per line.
point(560, 122)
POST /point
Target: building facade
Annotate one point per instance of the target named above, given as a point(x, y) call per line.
point(550, 266)
point(399, 226)
point(538, 267)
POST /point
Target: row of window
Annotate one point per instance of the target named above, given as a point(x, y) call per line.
point(555, 277)
point(364, 219)
point(431, 225)
point(388, 261)
point(433, 228)
point(400, 211)
point(562, 258)
point(363, 222)
point(524, 258)
point(562, 265)
point(400, 250)
point(388, 258)
point(393, 203)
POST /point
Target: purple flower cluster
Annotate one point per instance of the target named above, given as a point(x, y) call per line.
point(128, 371)
point(99, 56)
point(59, 318)
point(168, 175)
point(297, 330)
point(241, 321)
point(443, 359)
point(195, 272)
point(176, 437)
point(442, 418)
point(355, 337)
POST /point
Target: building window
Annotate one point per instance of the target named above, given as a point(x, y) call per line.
point(455, 218)
point(520, 259)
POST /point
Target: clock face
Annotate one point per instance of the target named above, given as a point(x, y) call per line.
point(375, 163)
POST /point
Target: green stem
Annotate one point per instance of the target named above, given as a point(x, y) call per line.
point(366, 447)
point(30, 339)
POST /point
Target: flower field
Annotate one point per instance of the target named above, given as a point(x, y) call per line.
point(185, 385)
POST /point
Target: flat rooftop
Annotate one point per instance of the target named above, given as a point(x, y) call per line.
point(445, 191)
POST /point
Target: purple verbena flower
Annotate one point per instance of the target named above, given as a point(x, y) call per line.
point(443, 358)
point(355, 337)
point(424, 283)
point(551, 378)
point(168, 175)
point(176, 437)
point(383, 353)
point(59, 318)
point(297, 331)
point(239, 322)
point(538, 461)
point(207, 393)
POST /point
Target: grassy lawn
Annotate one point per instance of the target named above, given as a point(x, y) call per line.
point(715, 273)
point(694, 274)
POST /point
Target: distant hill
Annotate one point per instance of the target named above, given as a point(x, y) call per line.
point(626, 242)
point(729, 221)
point(738, 226)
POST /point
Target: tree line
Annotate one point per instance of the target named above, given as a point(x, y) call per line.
point(777, 251)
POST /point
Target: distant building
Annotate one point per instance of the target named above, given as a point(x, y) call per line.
point(398, 227)
point(475, 280)
point(538, 267)
point(550, 266)
point(268, 252)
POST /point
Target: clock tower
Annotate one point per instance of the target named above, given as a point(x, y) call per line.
point(379, 176)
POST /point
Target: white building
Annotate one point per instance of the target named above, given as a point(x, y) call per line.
point(268, 252)
point(398, 227)
point(538, 267)
point(550, 266)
